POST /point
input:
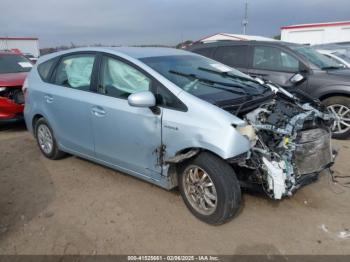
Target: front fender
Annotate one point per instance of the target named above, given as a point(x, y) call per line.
point(333, 90)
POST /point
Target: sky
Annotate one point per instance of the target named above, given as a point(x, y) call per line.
point(166, 22)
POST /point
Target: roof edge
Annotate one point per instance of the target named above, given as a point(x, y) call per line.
point(315, 25)
point(19, 38)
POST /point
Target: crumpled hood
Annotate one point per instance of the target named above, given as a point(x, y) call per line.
point(12, 79)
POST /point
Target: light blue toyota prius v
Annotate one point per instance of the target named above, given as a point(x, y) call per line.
point(178, 119)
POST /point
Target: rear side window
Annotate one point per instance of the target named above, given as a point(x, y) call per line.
point(204, 51)
point(274, 59)
point(234, 56)
point(45, 68)
point(75, 71)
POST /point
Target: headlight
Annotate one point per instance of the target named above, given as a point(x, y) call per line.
point(2, 88)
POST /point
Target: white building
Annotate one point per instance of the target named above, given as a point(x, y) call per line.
point(319, 33)
point(234, 37)
point(26, 45)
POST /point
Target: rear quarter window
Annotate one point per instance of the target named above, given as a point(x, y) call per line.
point(45, 69)
point(234, 56)
point(204, 51)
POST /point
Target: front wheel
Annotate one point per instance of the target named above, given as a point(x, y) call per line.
point(340, 106)
point(209, 188)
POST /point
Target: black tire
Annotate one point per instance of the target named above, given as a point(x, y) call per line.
point(226, 184)
point(339, 100)
point(54, 153)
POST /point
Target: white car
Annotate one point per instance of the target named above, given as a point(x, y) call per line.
point(337, 56)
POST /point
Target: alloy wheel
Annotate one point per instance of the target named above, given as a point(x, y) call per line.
point(200, 190)
point(342, 121)
point(45, 138)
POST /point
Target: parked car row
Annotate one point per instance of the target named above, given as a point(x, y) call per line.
point(13, 70)
point(295, 67)
point(176, 118)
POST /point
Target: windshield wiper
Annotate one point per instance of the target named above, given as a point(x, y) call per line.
point(211, 82)
point(226, 74)
point(331, 67)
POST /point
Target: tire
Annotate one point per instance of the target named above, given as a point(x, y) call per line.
point(335, 104)
point(225, 183)
point(53, 152)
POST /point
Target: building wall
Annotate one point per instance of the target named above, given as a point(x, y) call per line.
point(317, 35)
point(25, 46)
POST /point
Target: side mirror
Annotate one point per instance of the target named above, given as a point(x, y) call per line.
point(297, 79)
point(142, 99)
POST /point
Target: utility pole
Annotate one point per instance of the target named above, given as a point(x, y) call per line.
point(245, 20)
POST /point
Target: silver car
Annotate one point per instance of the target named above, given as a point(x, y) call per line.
point(177, 119)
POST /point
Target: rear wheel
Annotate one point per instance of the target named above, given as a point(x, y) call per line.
point(209, 188)
point(46, 140)
point(340, 106)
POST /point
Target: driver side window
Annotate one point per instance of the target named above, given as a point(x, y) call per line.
point(118, 79)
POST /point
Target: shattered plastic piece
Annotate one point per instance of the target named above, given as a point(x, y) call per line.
point(276, 178)
point(344, 235)
point(181, 157)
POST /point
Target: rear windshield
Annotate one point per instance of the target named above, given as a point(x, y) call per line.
point(14, 64)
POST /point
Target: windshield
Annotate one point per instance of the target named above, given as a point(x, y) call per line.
point(201, 76)
point(342, 56)
point(315, 57)
point(10, 63)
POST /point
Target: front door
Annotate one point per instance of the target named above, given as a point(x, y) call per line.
point(126, 137)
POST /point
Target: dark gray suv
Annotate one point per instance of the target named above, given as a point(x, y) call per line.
point(295, 67)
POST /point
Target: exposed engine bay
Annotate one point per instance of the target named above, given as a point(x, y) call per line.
point(291, 144)
point(14, 94)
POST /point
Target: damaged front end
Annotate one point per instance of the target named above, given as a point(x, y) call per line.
point(11, 103)
point(291, 144)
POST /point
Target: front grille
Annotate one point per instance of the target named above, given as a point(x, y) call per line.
point(313, 151)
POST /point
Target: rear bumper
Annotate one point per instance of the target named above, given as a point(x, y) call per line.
point(10, 111)
point(14, 119)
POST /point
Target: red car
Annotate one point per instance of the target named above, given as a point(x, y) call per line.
point(13, 71)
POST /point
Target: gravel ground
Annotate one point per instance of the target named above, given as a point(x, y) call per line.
point(73, 206)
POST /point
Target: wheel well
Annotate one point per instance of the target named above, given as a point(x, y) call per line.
point(35, 119)
point(333, 95)
point(173, 167)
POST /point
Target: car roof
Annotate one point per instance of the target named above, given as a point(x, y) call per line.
point(143, 52)
point(8, 53)
point(134, 52)
point(231, 42)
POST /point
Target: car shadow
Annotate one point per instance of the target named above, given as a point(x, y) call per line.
point(17, 126)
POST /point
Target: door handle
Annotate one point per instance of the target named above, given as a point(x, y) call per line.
point(48, 98)
point(98, 111)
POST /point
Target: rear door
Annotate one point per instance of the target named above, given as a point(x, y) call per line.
point(235, 56)
point(67, 101)
point(274, 64)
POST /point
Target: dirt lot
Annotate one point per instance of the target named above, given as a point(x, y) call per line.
point(73, 206)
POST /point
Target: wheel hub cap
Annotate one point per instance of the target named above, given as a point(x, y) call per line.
point(45, 139)
point(342, 120)
point(200, 190)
